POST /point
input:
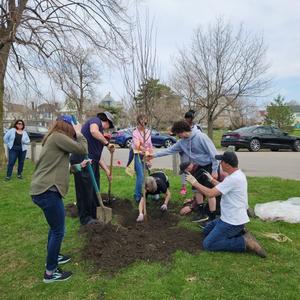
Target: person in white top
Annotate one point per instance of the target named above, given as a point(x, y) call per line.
point(228, 232)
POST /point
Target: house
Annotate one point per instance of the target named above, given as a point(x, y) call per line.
point(14, 111)
point(296, 111)
point(108, 101)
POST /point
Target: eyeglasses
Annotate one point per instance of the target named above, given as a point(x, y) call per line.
point(19, 123)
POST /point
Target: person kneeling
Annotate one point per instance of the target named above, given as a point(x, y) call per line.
point(227, 233)
point(155, 184)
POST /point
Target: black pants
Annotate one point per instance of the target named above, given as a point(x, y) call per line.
point(87, 200)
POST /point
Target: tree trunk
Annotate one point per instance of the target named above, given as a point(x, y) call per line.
point(210, 127)
point(3, 63)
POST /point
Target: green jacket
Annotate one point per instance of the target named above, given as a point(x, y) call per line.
point(52, 168)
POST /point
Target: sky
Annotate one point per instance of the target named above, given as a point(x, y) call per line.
point(277, 20)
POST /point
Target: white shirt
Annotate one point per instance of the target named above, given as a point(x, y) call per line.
point(234, 201)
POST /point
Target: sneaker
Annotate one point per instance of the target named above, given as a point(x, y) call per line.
point(57, 275)
point(183, 191)
point(140, 218)
point(253, 245)
point(7, 178)
point(200, 218)
point(20, 176)
point(63, 259)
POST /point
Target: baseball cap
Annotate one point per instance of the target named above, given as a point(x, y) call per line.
point(228, 157)
point(183, 166)
point(66, 118)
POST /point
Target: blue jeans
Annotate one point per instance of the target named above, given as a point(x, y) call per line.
point(52, 205)
point(221, 236)
point(139, 171)
point(13, 154)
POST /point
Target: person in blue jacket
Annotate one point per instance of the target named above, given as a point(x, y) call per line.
point(16, 140)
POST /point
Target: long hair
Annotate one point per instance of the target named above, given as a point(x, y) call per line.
point(17, 121)
point(62, 127)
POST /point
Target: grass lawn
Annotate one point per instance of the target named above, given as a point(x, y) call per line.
point(202, 276)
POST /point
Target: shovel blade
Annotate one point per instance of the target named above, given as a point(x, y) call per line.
point(104, 214)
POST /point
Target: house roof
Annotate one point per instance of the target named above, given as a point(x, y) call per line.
point(14, 107)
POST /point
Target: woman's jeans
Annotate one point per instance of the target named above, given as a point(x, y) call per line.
point(52, 205)
point(13, 154)
point(139, 171)
point(221, 236)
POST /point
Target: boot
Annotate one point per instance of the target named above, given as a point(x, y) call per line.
point(253, 245)
point(201, 216)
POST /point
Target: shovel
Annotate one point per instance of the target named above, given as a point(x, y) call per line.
point(109, 182)
point(104, 214)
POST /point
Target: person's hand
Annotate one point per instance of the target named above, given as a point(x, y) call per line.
point(111, 148)
point(164, 207)
point(85, 162)
point(77, 128)
point(108, 175)
point(191, 179)
point(149, 164)
point(149, 157)
point(209, 177)
point(214, 175)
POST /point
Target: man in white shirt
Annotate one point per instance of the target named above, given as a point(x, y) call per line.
point(227, 233)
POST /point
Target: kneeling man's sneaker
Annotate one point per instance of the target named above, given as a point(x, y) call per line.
point(200, 218)
point(57, 275)
point(63, 259)
point(253, 245)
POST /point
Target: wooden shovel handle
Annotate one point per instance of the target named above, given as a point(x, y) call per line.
point(110, 171)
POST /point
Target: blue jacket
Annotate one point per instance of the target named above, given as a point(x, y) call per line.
point(9, 139)
point(198, 148)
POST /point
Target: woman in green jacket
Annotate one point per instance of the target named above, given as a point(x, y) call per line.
point(49, 185)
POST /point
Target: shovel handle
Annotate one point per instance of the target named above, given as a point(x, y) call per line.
point(91, 172)
point(110, 171)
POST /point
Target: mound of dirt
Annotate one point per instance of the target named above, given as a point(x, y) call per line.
point(112, 247)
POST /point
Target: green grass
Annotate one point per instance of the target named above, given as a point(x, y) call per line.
point(295, 132)
point(202, 276)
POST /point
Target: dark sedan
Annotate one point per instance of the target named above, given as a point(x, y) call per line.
point(36, 133)
point(255, 138)
point(123, 138)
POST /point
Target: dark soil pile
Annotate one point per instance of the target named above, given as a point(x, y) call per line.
point(112, 247)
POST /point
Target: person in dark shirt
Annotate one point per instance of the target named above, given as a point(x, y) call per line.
point(197, 203)
point(16, 140)
point(93, 132)
point(155, 184)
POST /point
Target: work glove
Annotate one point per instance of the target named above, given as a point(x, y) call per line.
point(164, 207)
point(209, 177)
point(191, 179)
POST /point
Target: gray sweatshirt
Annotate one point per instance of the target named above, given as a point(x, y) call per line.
point(198, 147)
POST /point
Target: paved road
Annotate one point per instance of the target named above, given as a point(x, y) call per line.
point(267, 163)
point(279, 164)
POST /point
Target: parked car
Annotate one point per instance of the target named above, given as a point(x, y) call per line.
point(123, 138)
point(36, 133)
point(255, 138)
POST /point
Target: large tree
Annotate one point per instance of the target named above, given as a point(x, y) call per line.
point(162, 103)
point(140, 63)
point(76, 73)
point(220, 66)
point(31, 31)
point(279, 113)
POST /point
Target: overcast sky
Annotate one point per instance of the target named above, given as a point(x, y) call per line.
point(277, 20)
